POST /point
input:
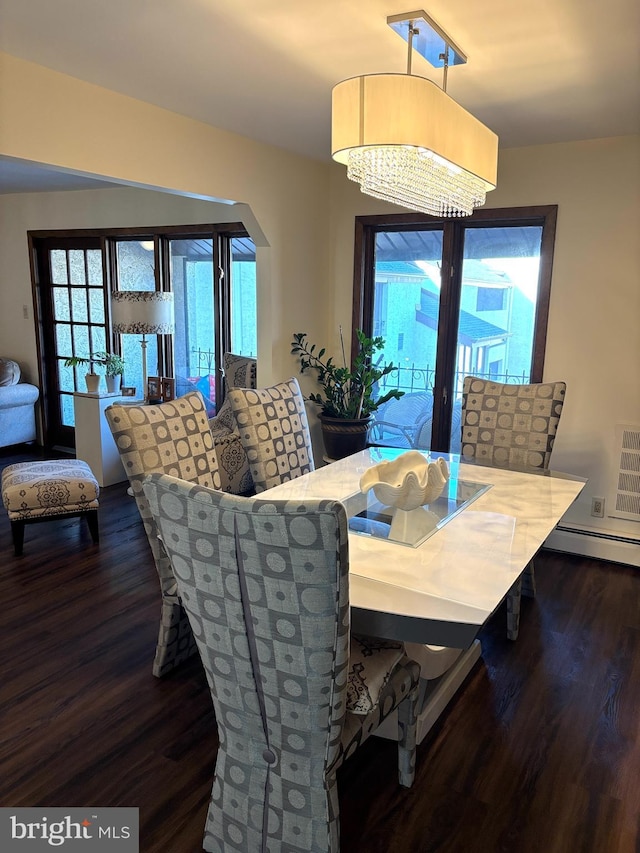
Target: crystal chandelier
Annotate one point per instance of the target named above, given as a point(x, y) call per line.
point(404, 140)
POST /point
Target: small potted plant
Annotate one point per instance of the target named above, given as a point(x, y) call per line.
point(348, 397)
point(91, 377)
point(114, 369)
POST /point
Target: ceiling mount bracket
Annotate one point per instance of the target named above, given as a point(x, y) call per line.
point(428, 38)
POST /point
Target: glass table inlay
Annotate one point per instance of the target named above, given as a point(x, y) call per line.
point(369, 517)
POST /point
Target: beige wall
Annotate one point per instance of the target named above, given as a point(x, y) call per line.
point(47, 117)
point(302, 215)
point(593, 339)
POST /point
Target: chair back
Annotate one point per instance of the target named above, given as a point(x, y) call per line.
point(239, 370)
point(172, 438)
point(265, 585)
point(512, 426)
point(273, 428)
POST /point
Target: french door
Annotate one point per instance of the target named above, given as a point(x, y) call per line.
point(451, 298)
point(71, 303)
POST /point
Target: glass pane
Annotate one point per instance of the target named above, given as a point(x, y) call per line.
point(79, 305)
point(96, 306)
point(63, 340)
point(244, 315)
point(497, 309)
point(194, 341)
point(65, 377)
point(81, 341)
point(66, 410)
point(132, 354)
point(61, 310)
point(135, 266)
point(405, 313)
point(58, 258)
point(76, 266)
point(98, 339)
point(94, 267)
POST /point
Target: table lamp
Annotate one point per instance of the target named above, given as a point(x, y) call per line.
point(142, 312)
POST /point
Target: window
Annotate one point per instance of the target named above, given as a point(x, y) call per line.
point(490, 299)
point(454, 297)
point(210, 269)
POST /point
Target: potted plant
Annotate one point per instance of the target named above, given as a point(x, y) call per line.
point(114, 369)
point(91, 377)
point(348, 397)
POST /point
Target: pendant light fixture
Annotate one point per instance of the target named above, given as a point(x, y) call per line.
point(404, 140)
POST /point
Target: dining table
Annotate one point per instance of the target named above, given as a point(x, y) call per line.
point(433, 578)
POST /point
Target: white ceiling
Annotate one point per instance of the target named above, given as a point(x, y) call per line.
point(539, 71)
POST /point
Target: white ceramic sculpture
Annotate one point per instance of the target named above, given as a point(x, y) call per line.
point(407, 482)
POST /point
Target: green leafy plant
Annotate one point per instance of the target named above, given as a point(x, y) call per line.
point(113, 364)
point(346, 393)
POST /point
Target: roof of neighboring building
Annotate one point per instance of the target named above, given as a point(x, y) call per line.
point(470, 327)
point(400, 268)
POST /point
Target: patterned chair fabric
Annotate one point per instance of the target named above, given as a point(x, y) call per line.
point(266, 587)
point(273, 428)
point(41, 491)
point(172, 438)
point(240, 372)
point(511, 426)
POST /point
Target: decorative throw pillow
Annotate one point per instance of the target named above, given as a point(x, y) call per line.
point(9, 372)
point(371, 664)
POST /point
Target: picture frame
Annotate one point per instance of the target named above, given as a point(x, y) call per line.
point(168, 387)
point(154, 390)
point(128, 391)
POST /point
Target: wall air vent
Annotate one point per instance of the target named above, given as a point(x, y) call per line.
point(624, 501)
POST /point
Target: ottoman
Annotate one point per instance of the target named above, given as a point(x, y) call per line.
point(42, 491)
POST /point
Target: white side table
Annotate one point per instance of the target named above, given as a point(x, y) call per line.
point(94, 442)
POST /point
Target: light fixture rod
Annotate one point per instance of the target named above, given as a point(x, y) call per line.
point(412, 32)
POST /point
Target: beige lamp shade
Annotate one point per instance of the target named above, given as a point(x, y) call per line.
point(142, 312)
point(404, 139)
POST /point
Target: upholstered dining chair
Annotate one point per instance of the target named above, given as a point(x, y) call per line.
point(273, 428)
point(235, 476)
point(511, 426)
point(266, 587)
point(172, 438)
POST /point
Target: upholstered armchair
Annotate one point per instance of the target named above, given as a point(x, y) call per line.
point(17, 405)
point(266, 588)
point(511, 426)
point(172, 438)
point(235, 477)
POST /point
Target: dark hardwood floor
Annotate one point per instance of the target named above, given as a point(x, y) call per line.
point(540, 750)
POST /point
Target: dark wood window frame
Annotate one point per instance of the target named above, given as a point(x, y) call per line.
point(40, 242)
point(366, 229)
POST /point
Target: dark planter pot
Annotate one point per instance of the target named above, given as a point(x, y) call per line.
point(342, 436)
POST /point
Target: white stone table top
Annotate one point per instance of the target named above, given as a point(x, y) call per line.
point(458, 576)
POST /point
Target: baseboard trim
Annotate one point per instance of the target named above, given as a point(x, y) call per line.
point(613, 547)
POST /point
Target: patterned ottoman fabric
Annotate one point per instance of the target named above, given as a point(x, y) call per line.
point(273, 428)
point(510, 425)
point(58, 487)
